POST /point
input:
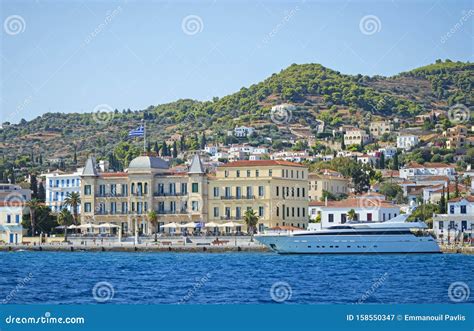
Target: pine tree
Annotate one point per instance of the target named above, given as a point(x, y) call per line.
point(182, 143)
point(41, 159)
point(442, 203)
point(395, 162)
point(203, 141)
point(34, 187)
point(175, 150)
point(74, 161)
point(41, 192)
point(456, 187)
point(156, 148)
point(382, 161)
point(164, 149)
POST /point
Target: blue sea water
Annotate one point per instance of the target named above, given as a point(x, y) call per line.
point(207, 278)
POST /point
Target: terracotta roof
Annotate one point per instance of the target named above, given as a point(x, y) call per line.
point(452, 188)
point(428, 178)
point(429, 165)
point(261, 163)
point(360, 203)
point(469, 198)
point(113, 174)
point(316, 203)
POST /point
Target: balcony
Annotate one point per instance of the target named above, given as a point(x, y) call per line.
point(242, 197)
point(231, 218)
point(172, 212)
point(107, 212)
point(169, 194)
point(111, 195)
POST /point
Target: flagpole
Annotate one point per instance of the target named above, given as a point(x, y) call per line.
point(144, 136)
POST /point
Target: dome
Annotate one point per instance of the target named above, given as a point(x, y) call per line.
point(147, 162)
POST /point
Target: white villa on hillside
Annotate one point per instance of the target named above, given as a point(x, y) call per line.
point(58, 185)
point(427, 169)
point(407, 142)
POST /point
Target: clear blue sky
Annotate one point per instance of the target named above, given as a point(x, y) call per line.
point(68, 57)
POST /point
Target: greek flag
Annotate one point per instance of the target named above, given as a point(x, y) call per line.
point(138, 132)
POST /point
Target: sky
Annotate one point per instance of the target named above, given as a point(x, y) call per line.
point(85, 56)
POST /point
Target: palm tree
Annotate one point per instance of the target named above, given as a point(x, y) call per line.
point(351, 215)
point(251, 220)
point(33, 205)
point(153, 219)
point(73, 200)
point(65, 218)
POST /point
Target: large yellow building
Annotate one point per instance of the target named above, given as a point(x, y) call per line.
point(275, 190)
point(318, 183)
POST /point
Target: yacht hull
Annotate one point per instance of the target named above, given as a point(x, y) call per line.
point(349, 244)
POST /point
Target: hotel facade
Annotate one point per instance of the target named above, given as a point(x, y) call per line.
point(275, 190)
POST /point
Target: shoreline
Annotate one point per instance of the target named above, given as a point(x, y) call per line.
point(176, 249)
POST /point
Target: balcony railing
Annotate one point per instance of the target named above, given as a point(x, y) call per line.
point(453, 217)
point(230, 218)
point(171, 212)
point(241, 197)
point(111, 195)
point(169, 194)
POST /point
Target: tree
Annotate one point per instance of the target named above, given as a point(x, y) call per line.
point(382, 161)
point(456, 187)
point(41, 192)
point(74, 160)
point(351, 215)
point(442, 203)
point(73, 200)
point(33, 206)
point(153, 219)
point(203, 140)
point(65, 219)
point(34, 186)
point(251, 220)
point(395, 165)
point(390, 190)
point(175, 150)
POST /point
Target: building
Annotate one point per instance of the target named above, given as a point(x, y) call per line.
point(275, 190)
point(243, 131)
point(356, 137)
point(333, 184)
point(11, 230)
point(365, 209)
point(377, 129)
point(388, 152)
point(414, 169)
point(407, 142)
point(59, 184)
point(12, 192)
point(458, 223)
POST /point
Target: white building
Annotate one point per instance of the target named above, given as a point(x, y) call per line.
point(292, 156)
point(243, 131)
point(212, 150)
point(457, 225)
point(366, 209)
point(407, 142)
point(58, 185)
point(14, 192)
point(11, 213)
point(414, 169)
point(388, 152)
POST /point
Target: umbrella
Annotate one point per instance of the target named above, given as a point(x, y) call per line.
point(172, 225)
point(230, 225)
point(72, 226)
point(108, 225)
point(189, 225)
point(211, 225)
point(86, 226)
point(61, 227)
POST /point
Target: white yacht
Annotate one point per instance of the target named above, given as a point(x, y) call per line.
point(394, 236)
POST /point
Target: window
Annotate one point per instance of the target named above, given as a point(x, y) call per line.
point(184, 188)
point(270, 173)
point(87, 207)
point(237, 173)
point(249, 192)
point(451, 209)
point(463, 209)
point(297, 192)
point(113, 189)
point(463, 225)
point(248, 173)
point(304, 212)
point(261, 191)
point(195, 205)
point(303, 192)
point(227, 212)
point(9, 218)
point(369, 217)
point(124, 189)
point(278, 211)
point(238, 192)
point(102, 190)
point(238, 212)
point(260, 211)
point(17, 219)
point(277, 190)
point(343, 218)
point(195, 187)
point(226, 173)
point(216, 211)
point(216, 191)
point(113, 207)
point(227, 192)
point(256, 173)
point(87, 190)
point(331, 218)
